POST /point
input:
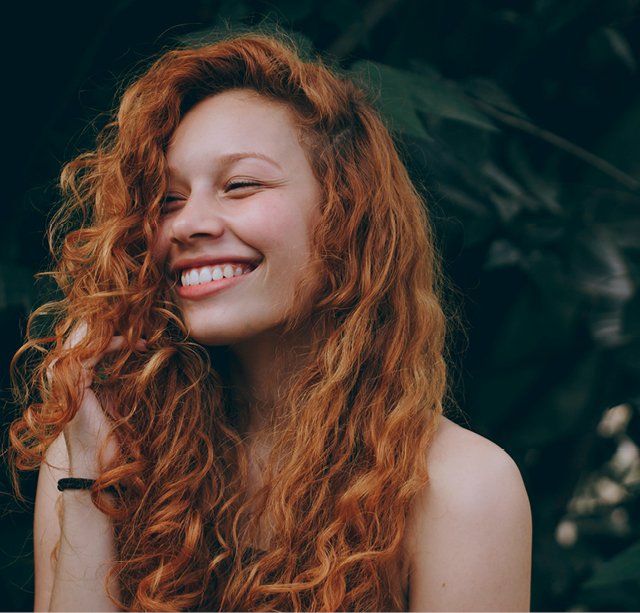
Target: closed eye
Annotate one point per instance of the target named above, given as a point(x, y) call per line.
point(169, 202)
point(241, 184)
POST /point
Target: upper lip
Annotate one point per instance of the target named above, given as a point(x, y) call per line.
point(198, 262)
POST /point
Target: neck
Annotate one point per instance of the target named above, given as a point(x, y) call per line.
point(265, 368)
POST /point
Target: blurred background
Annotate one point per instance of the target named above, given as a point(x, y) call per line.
point(520, 122)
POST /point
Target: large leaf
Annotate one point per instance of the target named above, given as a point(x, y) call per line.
point(490, 92)
point(392, 86)
point(405, 96)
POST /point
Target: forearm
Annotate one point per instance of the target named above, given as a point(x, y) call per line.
point(86, 549)
point(85, 554)
point(68, 522)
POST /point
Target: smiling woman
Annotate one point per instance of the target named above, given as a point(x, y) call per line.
point(240, 403)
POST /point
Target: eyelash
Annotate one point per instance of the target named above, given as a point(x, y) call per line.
point(240, 184)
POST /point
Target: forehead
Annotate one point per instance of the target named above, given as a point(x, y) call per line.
point(235, 121)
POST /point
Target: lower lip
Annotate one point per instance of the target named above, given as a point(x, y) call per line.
point(193, 292)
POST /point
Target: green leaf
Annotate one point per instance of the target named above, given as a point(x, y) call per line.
point(392, 87)
point(491, 93)
point(623, 567)
point(406, 97)
point(441, 99)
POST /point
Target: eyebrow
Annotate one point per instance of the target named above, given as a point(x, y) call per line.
point(235, 157)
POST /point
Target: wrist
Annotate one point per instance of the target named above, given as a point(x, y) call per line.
point(83, 464)
point(78, 484)
point(75, 483)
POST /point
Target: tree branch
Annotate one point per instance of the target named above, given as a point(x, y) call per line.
point(557, 141)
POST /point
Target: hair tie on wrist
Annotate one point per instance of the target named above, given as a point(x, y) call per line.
point(73, 483)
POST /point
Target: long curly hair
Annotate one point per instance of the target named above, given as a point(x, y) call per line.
point(353, 427)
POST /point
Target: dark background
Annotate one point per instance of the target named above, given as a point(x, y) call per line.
point(520, 120)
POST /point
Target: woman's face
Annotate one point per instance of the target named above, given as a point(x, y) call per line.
point(241, 204)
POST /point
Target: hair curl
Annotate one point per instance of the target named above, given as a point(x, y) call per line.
point(350, 443)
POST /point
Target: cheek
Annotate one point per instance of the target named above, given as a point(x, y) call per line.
point(293, 244)
point(277, 232)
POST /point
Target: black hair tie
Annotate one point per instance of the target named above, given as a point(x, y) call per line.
point(75, 483)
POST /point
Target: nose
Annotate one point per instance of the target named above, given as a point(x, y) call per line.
point(199, 218)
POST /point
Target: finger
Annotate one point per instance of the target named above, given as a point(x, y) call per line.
point(119, 342)
point(115, 344)
point(50, 370)
point(77, 335)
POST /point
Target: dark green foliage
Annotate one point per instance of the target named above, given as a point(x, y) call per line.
point(521, 123)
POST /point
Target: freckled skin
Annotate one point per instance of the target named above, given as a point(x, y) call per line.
point(222, 202)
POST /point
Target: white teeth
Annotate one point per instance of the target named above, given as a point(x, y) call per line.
point(206, 274)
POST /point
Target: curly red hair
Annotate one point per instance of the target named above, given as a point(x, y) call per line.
point(353, 429)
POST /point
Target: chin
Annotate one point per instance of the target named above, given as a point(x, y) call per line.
point(229, 335)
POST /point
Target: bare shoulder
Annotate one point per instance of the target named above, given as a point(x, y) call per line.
point(469, 533)
point(463, 464)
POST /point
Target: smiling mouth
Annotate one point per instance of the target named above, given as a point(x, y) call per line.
point(201, 275)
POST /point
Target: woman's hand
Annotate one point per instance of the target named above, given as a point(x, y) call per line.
point(88, 436)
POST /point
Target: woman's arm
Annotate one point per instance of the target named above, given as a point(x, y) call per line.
point(470, 530)
point(74, 578)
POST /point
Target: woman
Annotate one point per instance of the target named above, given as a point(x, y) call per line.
point(246, 367)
